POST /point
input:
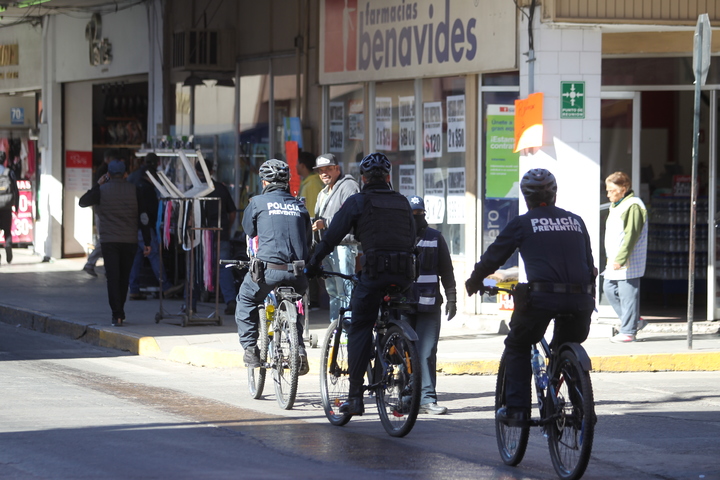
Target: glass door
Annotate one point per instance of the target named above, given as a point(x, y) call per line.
point(619, 151)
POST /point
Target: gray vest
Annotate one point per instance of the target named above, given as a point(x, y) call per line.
point(118, 212)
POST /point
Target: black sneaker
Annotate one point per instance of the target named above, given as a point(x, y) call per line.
point(90, 270)
point(304, 365)
point(138, 296)
point(353, 406)
point(512, 417)
point(252, 357)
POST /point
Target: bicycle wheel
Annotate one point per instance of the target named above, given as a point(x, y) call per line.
point(572, 411)
point(286, 357)
point(398, 392)
point(334, 379)
point(512, 441)
point(256, 376)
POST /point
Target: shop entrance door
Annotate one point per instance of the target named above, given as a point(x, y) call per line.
point(619, 151)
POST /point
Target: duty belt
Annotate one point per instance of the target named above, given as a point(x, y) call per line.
point(561, 287)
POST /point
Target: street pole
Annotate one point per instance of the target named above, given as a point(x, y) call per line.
point(701, 65)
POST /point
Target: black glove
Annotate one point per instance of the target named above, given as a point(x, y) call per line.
point(451, 307)
point(313, 270)
point(473, 286)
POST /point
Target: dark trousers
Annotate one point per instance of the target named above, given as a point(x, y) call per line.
point(427, 327)
point(118, 263)
point(527, 328)
point(252, 294)
point(6, 226)
point(365, 304)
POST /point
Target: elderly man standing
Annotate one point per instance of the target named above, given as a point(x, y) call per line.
point(338, 188)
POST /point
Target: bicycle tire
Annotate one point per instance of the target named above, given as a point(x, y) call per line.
point(286, 358)
point(571, 433)
point(334, 379)
point(256, 384)
point(398, 393)
point(512, 441)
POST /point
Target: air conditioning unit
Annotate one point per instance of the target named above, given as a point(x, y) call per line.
point(204, 50)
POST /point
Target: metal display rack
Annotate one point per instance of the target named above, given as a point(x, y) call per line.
point(189, 316)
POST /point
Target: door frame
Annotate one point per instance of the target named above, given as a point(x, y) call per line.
point(606, 311)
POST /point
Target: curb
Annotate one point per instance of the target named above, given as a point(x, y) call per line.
point(113, 338)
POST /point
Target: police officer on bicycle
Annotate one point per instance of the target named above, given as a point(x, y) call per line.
point(281, 224)
point(382, 221)
point(555, 247)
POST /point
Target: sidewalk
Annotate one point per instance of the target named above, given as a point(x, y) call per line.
point(59, 298)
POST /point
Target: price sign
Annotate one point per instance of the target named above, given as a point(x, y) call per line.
point(432, 129)
point(407, 123)
point(383, 123)
point(337, 127)
point(456, 123)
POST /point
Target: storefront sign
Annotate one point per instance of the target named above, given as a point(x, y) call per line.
point(9, 55)
point(456, 123)
point(383, 123)
point(23, 225)
point(497, 213)
point(502, 164)
point(406, 180)
point(337, 126)
point(432, 129)
point(456, 196)
point(406, 107)
point(78, 171)
point(434, 195)
point(293, 130)
point(572, 99)
point(356, 120)
point(100, 48)
point(389, 39)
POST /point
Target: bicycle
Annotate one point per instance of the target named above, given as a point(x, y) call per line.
point(393, 373)
point(565, 402)
point(278, 342)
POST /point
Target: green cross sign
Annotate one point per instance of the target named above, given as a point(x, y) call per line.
point(572, 99)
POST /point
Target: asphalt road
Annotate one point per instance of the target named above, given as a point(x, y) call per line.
point(70, 410)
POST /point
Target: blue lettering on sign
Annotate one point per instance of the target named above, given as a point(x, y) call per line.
point(17, 116)
point(386, 48)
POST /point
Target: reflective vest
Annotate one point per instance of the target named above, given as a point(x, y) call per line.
point(426, 287)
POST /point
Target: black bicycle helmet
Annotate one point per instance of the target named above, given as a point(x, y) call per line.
point(538, 186)
point(275, 171)
point(375, 161)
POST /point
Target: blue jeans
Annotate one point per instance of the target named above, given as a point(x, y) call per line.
point(427, 327)
point(342, 260)
point(154, 258)
point(624, 297)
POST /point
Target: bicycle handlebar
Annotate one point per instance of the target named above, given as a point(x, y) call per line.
point(326, 273)
point(492, 291)
point(235, 263)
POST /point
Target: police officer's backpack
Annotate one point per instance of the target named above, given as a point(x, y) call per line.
point(6, 191)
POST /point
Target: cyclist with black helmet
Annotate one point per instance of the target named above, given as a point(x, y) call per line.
point(555, 248)
point(282, 224)
point(382, 221)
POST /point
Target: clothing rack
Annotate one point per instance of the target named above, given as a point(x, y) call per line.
point(191, 236)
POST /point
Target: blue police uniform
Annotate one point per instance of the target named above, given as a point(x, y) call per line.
point(555, 247)
point(383, 223)
point(282, 224)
